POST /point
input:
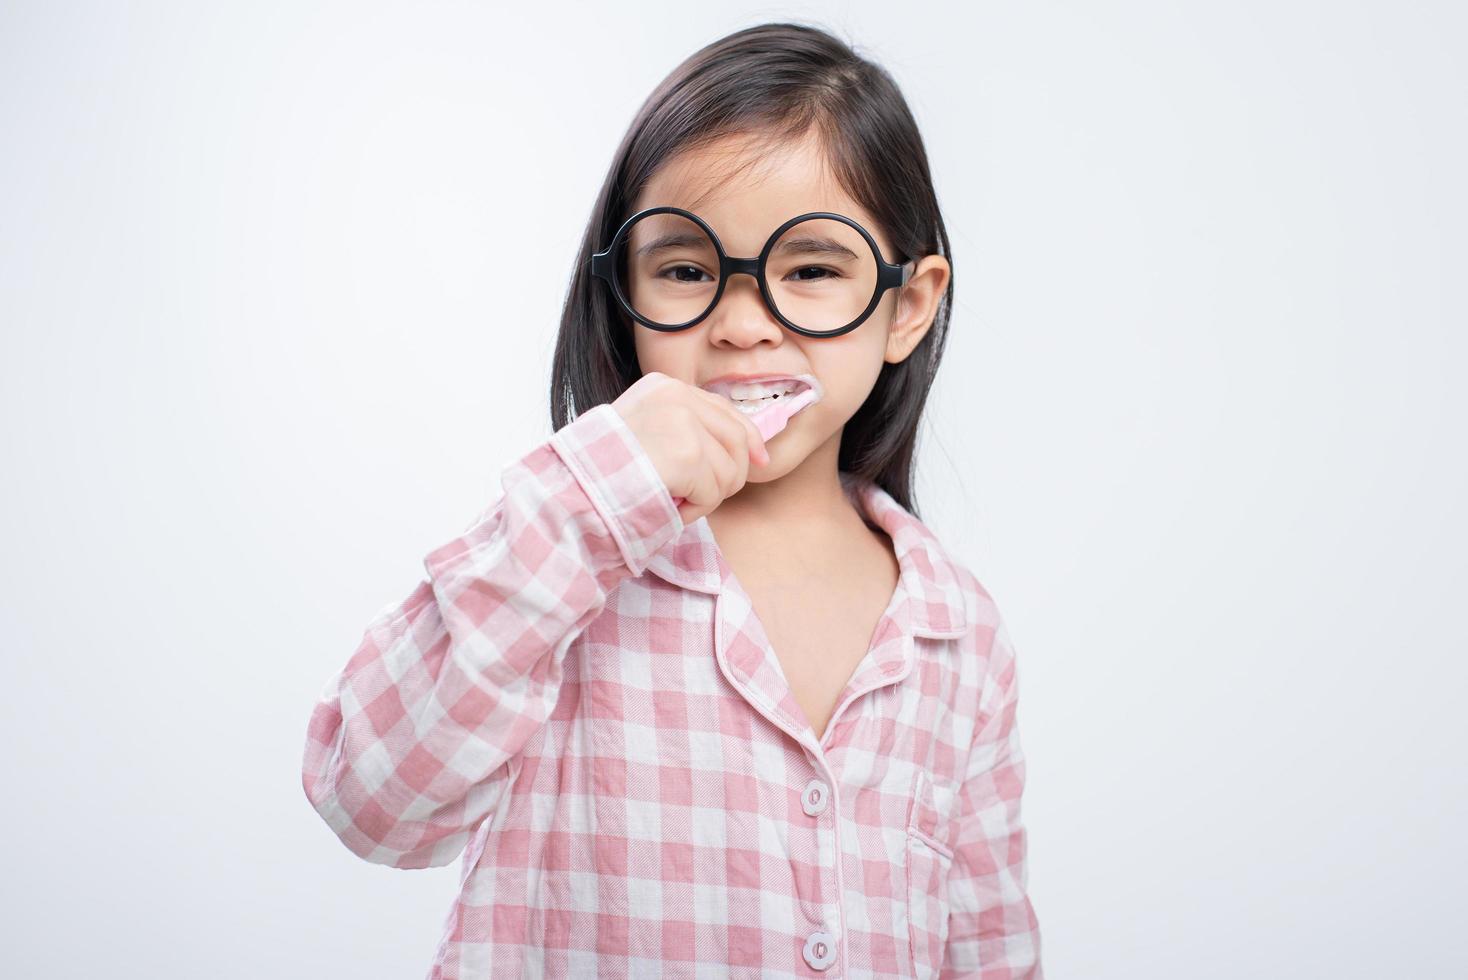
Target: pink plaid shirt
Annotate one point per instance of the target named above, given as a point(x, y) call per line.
point(634, 789)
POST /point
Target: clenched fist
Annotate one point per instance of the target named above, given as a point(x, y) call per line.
point(701, 445)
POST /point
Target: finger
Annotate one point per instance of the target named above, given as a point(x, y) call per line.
point(717, 421)
point(750, 434)
point(729, 445)
point(726, 467)
point(703, 493)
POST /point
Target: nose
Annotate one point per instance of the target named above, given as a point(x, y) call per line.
point(741, 318)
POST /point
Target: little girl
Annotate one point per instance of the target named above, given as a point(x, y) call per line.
point(699, 695)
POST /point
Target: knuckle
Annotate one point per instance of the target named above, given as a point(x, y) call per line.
point(688, 453)
point(686, 416)
point(729, 473)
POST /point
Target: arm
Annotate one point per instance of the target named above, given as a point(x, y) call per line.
point(408, 747)
point(992, 930)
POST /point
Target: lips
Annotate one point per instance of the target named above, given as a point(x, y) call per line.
point(751, 388)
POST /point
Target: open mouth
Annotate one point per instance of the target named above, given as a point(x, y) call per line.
point(753, 397)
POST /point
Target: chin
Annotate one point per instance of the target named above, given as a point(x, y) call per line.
point(764, 474)
point(779, 466)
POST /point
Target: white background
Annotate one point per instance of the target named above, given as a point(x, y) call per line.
point(279, 285)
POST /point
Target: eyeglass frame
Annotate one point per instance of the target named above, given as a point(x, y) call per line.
point(889, 275)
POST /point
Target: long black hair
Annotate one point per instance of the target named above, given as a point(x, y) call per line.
point(772, 82)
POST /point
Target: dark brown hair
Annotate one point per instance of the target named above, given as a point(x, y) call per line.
point(772, 82)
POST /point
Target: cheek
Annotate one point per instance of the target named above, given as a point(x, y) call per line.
point(666, 353)
point(849, 371)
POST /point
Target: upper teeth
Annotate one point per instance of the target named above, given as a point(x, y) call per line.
point(763, 389)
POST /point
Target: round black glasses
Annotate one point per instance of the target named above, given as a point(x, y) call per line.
point(821, 274)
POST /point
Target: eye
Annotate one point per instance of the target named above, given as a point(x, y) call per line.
point(829, 273)
point(681, 273)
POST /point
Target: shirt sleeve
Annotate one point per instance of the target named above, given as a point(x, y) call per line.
point(408, 746)
point(993, 933)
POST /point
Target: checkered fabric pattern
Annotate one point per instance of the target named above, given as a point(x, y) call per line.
point(580, 700)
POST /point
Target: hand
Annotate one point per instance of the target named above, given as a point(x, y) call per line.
point(701, 445)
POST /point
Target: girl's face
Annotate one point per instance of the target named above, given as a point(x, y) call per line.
point(741, 335)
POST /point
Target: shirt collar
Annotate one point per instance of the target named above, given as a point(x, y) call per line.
point(936, 605)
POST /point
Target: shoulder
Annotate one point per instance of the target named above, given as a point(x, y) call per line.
point(979, 603)
point(987, 636)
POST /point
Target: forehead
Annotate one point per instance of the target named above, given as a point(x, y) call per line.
point(746, 189)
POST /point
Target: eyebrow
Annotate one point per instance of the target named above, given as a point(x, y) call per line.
point(676, 239)
point(808, 245)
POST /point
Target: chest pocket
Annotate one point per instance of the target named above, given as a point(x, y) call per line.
point(929, 858)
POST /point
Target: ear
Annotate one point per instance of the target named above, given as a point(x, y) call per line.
point(917, 305)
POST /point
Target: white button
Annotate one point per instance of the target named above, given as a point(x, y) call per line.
point(813, 800)
point(820, 949)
